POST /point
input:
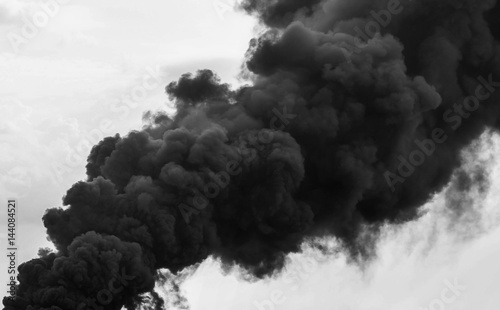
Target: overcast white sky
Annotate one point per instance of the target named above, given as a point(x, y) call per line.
point(80, 76)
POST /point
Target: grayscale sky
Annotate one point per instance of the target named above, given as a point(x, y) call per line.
point(94, 67)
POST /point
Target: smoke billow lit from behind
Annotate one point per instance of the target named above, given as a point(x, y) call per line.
point(342, 94)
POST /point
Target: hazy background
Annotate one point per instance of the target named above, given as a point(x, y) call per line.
point(95, 67)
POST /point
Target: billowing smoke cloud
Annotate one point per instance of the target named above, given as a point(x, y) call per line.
point(356, 116)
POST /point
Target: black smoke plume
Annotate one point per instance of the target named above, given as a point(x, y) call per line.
point(336, 104)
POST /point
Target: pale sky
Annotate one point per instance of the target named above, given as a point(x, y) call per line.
point(93, 67)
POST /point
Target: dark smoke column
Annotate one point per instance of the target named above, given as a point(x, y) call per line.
point(245, 176)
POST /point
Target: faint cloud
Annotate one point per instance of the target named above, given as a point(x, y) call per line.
point(11, 11)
